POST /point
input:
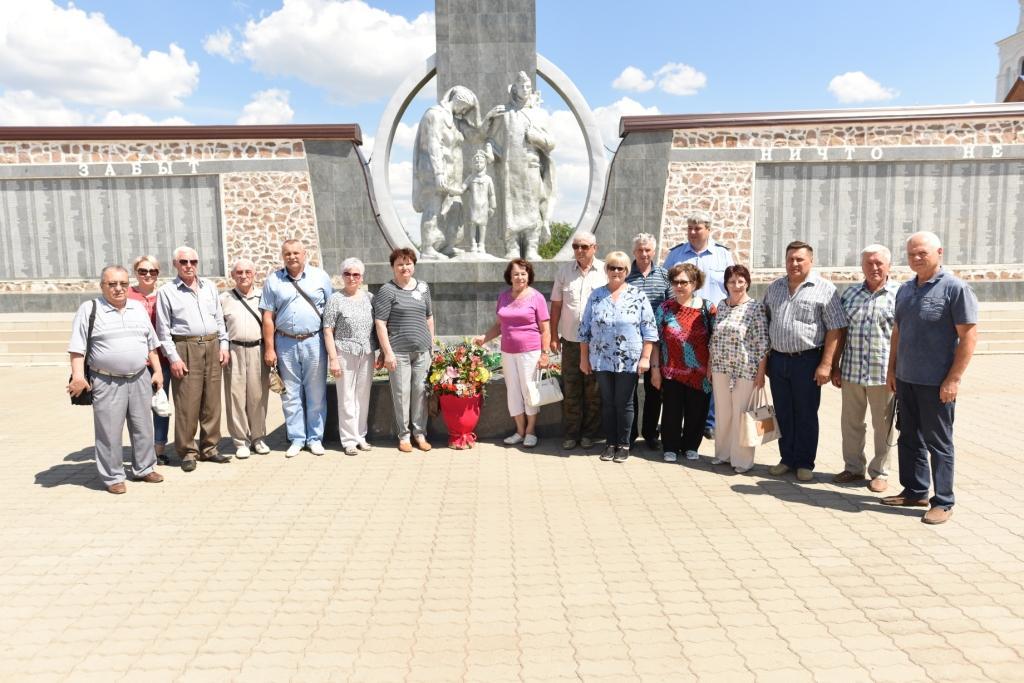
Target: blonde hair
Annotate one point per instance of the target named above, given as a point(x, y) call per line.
point(146, 257)
point(620, 258)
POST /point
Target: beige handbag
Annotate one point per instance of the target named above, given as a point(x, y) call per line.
point(542, 389)
point(758, 424)
point(276, 383)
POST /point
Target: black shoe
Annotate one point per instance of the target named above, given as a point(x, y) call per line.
point(621, 455)
point(709, 433)
point(188, 465)
point(653, 444)
point(162, 459)
point(218, 458)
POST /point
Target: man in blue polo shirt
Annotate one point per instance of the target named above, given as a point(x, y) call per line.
point(932, 343)
point(711, 258)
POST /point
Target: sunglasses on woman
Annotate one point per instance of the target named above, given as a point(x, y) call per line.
point(148, 271)
point(616, 269)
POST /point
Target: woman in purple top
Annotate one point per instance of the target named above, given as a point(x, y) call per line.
point(522, 324)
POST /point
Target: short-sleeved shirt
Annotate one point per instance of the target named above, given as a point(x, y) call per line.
point(685, 343)
point(655, 284)
point(927, 316)
point(712, 260)
point(616, 330)
point(292, 313)
point(869, 332)
point(121, 337)
point(181, 310)
point(241, 324)
point(740, 339)
point(405, 311)
point(520, 320)
point(573, 288)
point(148, 302)
point(351, 317)
point(799, 322)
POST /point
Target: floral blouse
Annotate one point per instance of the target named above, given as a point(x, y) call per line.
point(740, 340)
point(684, 343)
point(352, 320)
point(616, 330)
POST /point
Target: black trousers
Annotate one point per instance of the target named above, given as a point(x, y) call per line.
point(647, 425)
point(684, 410)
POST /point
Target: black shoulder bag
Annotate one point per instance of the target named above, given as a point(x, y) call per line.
point(247, 306)
point(305, 296)
point(85, 398)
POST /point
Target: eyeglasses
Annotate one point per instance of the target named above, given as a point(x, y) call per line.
point(188, 262)
point(115, 285)
point(680, 283)
point(616, 269)
point(148, 271)
point(581, 247)
point(353, 275)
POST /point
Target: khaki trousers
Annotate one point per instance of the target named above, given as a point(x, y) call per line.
point(856, 400)
point(729, 408)
point(197, 400)
point(246, 388)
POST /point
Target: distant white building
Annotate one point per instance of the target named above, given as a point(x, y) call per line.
point(1011, 59)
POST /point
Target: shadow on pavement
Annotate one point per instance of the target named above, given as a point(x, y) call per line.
point(808, 494)
point(78, 469)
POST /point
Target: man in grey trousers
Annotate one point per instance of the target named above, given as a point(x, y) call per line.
point(122, 346)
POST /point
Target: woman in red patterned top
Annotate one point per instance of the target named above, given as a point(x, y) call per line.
point(681, 362)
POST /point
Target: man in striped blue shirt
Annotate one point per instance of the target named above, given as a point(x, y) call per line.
point(653, 280)
point(859, 369)
point(805, 320)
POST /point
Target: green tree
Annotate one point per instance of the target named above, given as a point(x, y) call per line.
point(560, 233)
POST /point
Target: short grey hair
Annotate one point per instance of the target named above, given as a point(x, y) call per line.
point(353, 262)
point(586, 236)
point(928, 236)
point(183, 247)
point(644, 238)
point(107, 269)
point(877, 249)
point(700, 218)
point(242, 262)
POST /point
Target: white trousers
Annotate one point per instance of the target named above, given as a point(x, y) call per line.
point(519, 368)
point(729, 408)
point(353, 396)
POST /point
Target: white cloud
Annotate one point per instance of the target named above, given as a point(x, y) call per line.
point(857, 86)
point(25, 108)
point(116, 118)
point(680, 79)
point(221, 44)
point(267, 107)
point(633, 80)
point(405, 136)
point(608, 118)
point(74, 55)
point(356, 52)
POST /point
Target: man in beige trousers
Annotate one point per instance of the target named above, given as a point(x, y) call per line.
point(246, 378)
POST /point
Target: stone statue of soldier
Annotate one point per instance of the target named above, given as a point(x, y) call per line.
point(520, 149)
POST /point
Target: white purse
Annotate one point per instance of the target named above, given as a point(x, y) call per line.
point(758, 424)
point(542, 389)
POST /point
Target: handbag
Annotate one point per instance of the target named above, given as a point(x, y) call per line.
point(85, 398)
point(757, 423)
point(542, 389)
point(276, 383)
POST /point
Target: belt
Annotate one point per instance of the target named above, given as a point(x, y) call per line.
point(247, 344)
point(816, 349)
point(186, 338)
point(117, 375)
point(300, 337)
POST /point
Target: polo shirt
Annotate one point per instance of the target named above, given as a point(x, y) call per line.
point(798, 323)
point(712, 260)
point(121, 337)
point(927, 316)
point(573, 289)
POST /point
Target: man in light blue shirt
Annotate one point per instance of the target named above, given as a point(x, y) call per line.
point(711, 258)
point(293, 303)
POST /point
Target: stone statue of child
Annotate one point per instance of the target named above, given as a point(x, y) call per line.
point(479, 201)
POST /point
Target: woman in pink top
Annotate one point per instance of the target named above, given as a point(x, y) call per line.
point(147, 271)
point(522, 324)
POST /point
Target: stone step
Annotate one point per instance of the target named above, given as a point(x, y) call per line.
point(22, 360)
point(986, 346)
point(35, 346)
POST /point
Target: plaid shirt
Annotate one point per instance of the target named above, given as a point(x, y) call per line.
point(798, 322)
point(655, 284)
point(871, 316)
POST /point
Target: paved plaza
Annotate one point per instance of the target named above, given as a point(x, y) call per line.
point(503, 564)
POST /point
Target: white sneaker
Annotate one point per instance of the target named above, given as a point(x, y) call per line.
point(692, 455)
point(718, 461)
point(293, 450)
point(242, 452)
point(363, 446)
point(513, 440)
point(530, 440)
point(316, 448)
point(260, 447)
point(669, 456)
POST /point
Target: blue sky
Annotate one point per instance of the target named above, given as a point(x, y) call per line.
point(337, 61)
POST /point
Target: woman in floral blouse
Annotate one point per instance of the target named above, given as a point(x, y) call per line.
point(739, 351)
point(680, 367)
point(616, 338)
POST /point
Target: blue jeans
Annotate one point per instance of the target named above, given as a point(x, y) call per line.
point(617, 389)
point(304, 372)
point(797, 398)
point(926, 428)
point(162, 425)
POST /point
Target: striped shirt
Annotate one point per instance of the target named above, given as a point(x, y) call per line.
point(871, 316)
point(655, 284)
point(798, 323)
point(405, 312)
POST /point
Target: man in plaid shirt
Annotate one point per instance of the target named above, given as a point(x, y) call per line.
point(859, 369)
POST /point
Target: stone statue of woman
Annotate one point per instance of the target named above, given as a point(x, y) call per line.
point(437, 169)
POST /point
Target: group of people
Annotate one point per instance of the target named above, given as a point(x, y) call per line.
point(688, 329)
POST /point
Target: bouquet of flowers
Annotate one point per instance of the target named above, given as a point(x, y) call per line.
point(460, 369)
